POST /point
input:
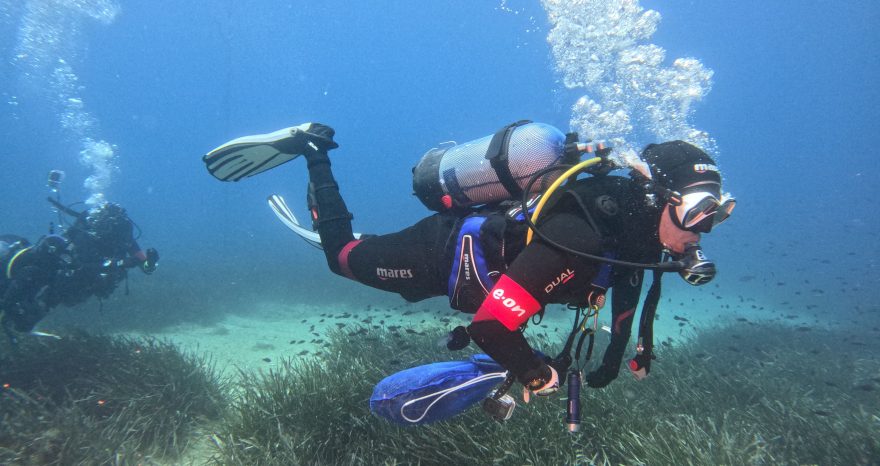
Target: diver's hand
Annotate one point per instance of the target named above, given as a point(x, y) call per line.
point(601, 376)
point(561, 366)
point(544, 385)
point(25, 315)
point(149, 265)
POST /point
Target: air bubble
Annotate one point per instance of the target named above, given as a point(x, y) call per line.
point(631, 97)
point(47, 45)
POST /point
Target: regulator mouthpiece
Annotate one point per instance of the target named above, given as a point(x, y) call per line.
point(698, 269)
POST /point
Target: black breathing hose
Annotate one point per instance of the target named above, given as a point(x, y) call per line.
point(670, 266)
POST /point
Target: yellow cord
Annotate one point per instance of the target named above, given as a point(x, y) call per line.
point(12, 261)
point(549, 192)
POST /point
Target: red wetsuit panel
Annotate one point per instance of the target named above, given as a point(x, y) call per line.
point(508, 303)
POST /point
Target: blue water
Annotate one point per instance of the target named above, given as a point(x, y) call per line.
point(793, 109)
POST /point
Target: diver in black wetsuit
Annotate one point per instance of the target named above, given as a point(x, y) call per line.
point(610, 216)
point(89, 259)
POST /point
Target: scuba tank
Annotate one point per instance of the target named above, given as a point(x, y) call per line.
point(490, 169)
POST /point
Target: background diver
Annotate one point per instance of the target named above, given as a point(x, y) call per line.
point(90, 258)
point(593, 236)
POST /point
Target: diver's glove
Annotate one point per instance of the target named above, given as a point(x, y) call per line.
point(24, 316)
point(149, 265)
point(457, 339)
point(544, 383)
point(601, 376)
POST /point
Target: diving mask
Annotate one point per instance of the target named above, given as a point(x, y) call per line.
point(700, 211)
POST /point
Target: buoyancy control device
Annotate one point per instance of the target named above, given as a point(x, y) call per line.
point(490, 169)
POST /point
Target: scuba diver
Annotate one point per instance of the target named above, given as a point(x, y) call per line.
point(90, 258)
point(595, 233)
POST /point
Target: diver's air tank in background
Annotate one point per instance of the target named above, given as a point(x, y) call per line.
point(489, 169)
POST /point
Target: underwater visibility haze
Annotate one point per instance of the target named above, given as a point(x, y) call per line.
point(125, 98)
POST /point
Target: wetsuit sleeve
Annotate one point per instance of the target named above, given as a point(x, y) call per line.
point(329, 212)
point(627, 288)
point(539, 275)
point(136, 252)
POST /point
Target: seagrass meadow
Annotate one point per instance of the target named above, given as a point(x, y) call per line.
point(738, 394)
point(87, 399)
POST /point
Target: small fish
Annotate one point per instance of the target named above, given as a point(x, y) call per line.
point(303, 353)
point(267, 359)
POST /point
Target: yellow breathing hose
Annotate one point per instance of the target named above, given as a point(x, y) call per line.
point(12, 261)
point(549, 192)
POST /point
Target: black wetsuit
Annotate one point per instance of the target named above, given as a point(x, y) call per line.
point(58, 270)
point(600, 215)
